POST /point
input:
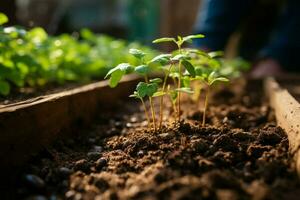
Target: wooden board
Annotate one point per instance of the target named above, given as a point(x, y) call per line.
point(287, 111)
point(26, 127)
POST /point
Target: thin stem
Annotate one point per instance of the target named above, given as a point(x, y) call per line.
point(179, 93)
point(153, 113)
point(146, 79)
point(205, 105)
point(199, 97)
point(146, 113)
point(162, 98)
point(174, 104)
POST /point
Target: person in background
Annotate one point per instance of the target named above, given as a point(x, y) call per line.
point(269, 32)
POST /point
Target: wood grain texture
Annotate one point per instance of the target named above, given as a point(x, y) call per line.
point(27, 127)
point(287, 111)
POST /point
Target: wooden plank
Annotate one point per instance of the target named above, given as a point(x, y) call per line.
point(287, 111)
point(27, 127)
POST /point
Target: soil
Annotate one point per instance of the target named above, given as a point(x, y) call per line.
point(239, 154)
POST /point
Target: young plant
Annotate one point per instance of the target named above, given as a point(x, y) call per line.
point(143, 89)
point(209, 80)
point(163, 60)
point(181, 59)
point(147, 90)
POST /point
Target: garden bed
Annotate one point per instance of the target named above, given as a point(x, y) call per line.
point(30, 125)
point(240, 154)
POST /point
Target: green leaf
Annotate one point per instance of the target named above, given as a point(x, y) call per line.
point(174, 74)
point(159, 94)
point(146, 89)
point(135, 95)
point(199, 52)
point(115, 78)
point(173, 94)
point(179, 57)
point(3, 18)
point(152, 88)
point(87, 34)
point(37, 35)
point(185, 90)
point(189, 38)
point(137, 53)
point(186, 81)
point(220, 79)
point(14, 31)
point(156, 80)
point(125, 67)
point(211, 76)
point(141, 89)
point(215, 54)
point(198, 71)
point(165, 39)
point(4, 88)
point(163, 59)
point(142, 69)
point(189, 67)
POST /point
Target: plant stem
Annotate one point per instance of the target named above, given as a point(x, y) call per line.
point(162, 98)
point(153, 113)
point(205, 106)
point(174, 103)
point(179, 93)
point(146, 113)
point(198, 101)
point(146, 79)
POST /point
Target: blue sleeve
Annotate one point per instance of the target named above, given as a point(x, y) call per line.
point(284, 46)
point(218, 19)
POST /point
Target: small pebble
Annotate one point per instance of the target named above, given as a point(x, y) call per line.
point(129, 125)
point(113, 131)
point(92, 140)
point(133, 119)
point(97, 149)
point(118, 124)
point(140, 153)
point(64, 171)
point(165, 135)
point(101, 162)
point(93, 155)
point(243, 136)
point(70, 194)
point(78, 196)
point(82, 165)
point(34, 181)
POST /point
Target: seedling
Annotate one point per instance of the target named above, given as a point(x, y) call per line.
point(182, 66)
point(146, 90)
point(209, 80)
point(182, 59)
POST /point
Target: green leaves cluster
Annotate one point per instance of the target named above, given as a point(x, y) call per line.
point(32, 58)
point(186, 67)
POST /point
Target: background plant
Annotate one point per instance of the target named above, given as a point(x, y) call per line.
point(32, 58)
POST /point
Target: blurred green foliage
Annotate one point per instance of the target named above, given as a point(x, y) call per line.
point(33, 58)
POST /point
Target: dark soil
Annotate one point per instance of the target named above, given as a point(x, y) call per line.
point(239, 154)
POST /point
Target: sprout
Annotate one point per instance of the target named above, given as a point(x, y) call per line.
point(183, 66)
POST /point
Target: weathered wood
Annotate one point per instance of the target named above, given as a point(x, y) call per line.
point(287, 111)
point(26, 127)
